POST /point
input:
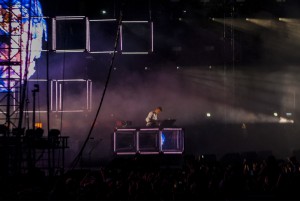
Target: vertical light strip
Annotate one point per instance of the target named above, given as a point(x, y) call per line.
point(178, 135)
point(137, 141)
point(91, 84)
point(87, 39)
point(159, 140)
point(56, 96)
point(60, 98)
point(51, 95)
point(121, 37)
point(87, 94)
point(53, 34)
point(91, 95)
point(115, 141)
point(152, 48)
point(182, 135)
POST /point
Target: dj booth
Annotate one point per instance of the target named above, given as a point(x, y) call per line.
point(148, 141)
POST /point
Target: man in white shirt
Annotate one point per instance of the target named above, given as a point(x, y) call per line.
point(152, 117)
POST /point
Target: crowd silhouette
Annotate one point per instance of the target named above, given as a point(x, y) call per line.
point(186, 177)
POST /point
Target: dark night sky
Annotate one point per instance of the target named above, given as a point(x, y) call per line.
point(183, 29)
point(238, 70)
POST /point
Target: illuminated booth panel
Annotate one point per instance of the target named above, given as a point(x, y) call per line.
point(149, 141)
point(172, 140)
point(125, 141)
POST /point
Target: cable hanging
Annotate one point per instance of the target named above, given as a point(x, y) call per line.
point(78, 157)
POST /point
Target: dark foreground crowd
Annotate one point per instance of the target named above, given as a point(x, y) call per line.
point(152, 178)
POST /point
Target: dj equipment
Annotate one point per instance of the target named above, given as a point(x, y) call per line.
point(167, 123)
point(166, 140)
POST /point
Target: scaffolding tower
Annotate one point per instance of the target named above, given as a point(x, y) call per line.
point(10, 64)
point(23, 151)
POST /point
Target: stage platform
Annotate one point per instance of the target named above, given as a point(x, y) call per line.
point(130, 141)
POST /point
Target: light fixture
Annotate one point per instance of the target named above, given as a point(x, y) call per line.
point(38, 125)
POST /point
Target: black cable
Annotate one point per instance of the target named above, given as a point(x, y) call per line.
point(78, 157)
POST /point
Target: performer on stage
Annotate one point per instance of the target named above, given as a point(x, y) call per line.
point(152, 117)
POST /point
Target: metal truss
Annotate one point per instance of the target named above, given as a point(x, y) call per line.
point(10, 63)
